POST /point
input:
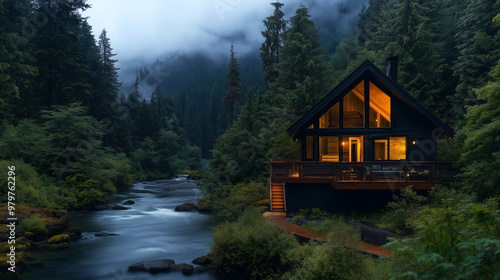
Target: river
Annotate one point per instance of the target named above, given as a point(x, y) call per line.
point(149, 230)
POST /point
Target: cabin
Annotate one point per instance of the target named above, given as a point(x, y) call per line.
point(363, 142)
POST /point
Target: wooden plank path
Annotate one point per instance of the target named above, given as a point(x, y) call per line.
point(279, 219)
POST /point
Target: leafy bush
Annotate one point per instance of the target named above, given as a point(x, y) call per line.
point(456, 241)
point(33, 224)
point(251, 247)
point(402, 210)
point(33, 189)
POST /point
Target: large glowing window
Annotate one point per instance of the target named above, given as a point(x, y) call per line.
point(380, 149)
point(380, 108)
point(329, 148)
point(331, 118)
point(354, 107)
point(397, 148)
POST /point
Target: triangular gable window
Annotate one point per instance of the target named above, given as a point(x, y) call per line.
point(354, 107)
point(331, 118)
point(380, 108)
point(353, 113)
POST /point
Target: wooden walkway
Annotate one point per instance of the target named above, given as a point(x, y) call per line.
point(279, 219)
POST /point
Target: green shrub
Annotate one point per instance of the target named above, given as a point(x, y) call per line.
point(339, 258)
point(402, 210)
point(251, 247)
point(33, 224)
point(456, 241)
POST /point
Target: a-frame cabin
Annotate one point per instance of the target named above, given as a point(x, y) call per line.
point(363, 141)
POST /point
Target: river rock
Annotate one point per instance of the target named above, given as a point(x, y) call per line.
point(129, 202)
point(103, 233)
point(373, 235)
point(74, 233)
point(153, 266)
point(203, 205)
point(186, 207)
point(205, 260)
point(60, 238)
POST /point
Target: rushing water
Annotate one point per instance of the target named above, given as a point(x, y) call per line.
point(150, 230)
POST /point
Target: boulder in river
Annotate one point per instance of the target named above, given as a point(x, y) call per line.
point(153, 266)
point(129, 202)
point(203, 205)
point(186, 207)
point(205, 260)
point(164, 265)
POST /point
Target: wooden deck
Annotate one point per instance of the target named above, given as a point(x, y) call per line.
point(279, 219)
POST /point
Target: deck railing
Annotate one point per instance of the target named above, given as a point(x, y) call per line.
point(362, 171)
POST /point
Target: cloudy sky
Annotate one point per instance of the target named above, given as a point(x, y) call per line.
point(151, 28)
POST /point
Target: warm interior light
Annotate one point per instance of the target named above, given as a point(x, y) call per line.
point(414, 142)
point(343, 143)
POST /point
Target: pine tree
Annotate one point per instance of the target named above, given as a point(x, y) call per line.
point(303, 69)
point(234, 91)
point(481, 152)
point(109, 71)
point(273, 42)
point(17, 65)
point(479, 50)
point(62, 67)
point(410, 34)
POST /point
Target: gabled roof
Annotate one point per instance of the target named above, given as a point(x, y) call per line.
point(367, 69)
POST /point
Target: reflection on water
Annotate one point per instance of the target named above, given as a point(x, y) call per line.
point(151, 229)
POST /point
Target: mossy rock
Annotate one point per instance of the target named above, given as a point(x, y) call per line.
point(59, 246)
point(21, 245)
point(23, 241)
point(5, 247)
point(56, 225)
point(264, 202)
point(29, 235)
point(60, 238)
point(203, 205)
point(20, 262)
point(74, 230)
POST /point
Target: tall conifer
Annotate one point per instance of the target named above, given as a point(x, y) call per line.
point(234, 89)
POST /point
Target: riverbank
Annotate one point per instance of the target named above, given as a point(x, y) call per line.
point(149, 229)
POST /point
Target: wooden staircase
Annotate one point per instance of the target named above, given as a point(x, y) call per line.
point(278, 197)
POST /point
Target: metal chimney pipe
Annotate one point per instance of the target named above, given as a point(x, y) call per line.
point(392, 68)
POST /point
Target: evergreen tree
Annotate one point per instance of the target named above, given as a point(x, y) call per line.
point(303, 69)
point(481, 156)
point(109, 75)
point(233, 91)
point(479, 50)
point(410, 34)
point(273, 42)
point(17, 65)
point(61, 65)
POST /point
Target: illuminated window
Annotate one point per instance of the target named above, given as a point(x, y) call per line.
point(354, 107)
point(311, 127)
point(380, 108)
point(397, 148)
point(309, 147)
point(352, 148)
point(329, 148)
point(380, 149)
point(331, 118)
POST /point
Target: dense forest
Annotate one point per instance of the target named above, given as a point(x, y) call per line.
point(75, 138)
